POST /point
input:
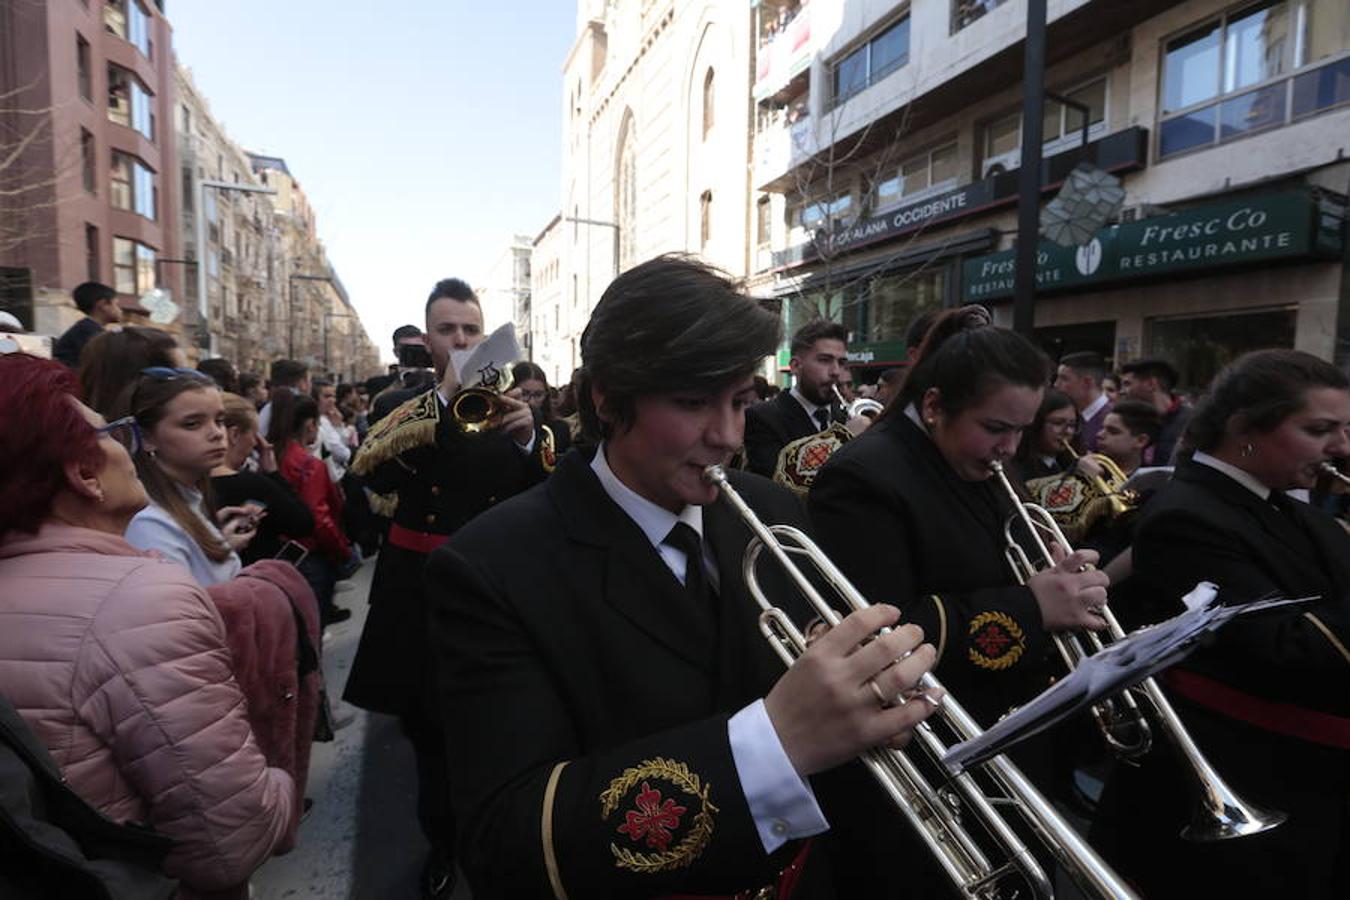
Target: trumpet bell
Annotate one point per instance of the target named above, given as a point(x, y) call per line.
point(472, 408)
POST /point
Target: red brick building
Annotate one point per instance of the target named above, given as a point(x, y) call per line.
point(88, 167)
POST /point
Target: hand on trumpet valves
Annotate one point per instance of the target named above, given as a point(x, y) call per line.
point(1071, 593)
point(1089, 467)
point(858, 424)
point(826, 708)
point(514, 417)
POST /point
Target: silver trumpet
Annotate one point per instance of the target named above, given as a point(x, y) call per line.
point(863, 406)
point(1220, 813)
point(934, 811)
point(1329, 468)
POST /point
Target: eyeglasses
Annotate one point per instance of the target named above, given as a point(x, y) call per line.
point(533, 395)
point(165, 373)
point(125, 431)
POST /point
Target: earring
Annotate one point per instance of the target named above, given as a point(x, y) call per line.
point(98, 495)
point(1248, 449)
point(150, 453)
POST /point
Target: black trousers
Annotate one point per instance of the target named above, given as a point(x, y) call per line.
point(433, 786)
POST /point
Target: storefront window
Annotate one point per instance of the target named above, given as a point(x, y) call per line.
point(1200, 346)
point(872, 308)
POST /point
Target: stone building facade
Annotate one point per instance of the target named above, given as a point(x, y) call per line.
point(887, 147)
point(655, 151)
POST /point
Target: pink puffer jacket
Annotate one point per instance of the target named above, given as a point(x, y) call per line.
point(118, 662)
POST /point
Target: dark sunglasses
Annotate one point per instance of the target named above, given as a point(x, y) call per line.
point(125, 431)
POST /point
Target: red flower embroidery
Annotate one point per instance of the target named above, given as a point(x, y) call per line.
point(993, 641)
point(653, 818)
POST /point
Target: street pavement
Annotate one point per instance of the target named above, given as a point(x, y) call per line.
point(361, 839)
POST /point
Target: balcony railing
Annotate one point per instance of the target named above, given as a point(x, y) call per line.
point(780, 147)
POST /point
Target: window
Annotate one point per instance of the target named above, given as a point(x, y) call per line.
point(764, 221)
point(119, 181)
point(132, 185)
point(89, 163)
point(966, 11)
point(189, 194)
point(1061, 127)
point(709, 116)
point(1229, 77)
point(128, 20)
point(91, 252)
point(814, 214)
point(83, 67)
point(926, 173)
point(133, 266)
point(129, 103)
point(115, 17)
point(186, 127)
point(626, 195)
point(873, 61)
point(705, 218)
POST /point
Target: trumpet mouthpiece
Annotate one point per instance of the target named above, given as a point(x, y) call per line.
point(715, 475)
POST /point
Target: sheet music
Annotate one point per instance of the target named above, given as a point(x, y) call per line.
point(489, 361)
point(1120, 665)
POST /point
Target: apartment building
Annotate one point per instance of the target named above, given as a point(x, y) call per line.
point(313, 315)
point(87, 158)
point(655, 151)
point(240, 317)
point(550, 349)
point(886, 150)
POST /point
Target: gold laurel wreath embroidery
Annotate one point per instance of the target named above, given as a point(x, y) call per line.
point(1014, 653)
point(693, 844)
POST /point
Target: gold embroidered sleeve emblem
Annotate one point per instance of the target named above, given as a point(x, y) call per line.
point(655, 796)
point(996, 641)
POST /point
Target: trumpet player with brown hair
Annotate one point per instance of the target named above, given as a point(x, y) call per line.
point(908, 511)
point(1269, 699)
point(442, 477)
point(622, 728)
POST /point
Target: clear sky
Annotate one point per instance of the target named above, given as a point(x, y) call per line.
point(425, 133)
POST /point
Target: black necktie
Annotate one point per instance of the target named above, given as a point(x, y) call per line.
point(823, 417)
point(685, 539)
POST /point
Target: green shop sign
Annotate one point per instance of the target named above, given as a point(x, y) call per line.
point(1274, 226)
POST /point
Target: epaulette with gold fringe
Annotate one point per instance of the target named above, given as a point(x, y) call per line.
point(412, 424)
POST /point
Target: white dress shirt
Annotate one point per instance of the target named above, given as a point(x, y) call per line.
point(1094, 407)
point(807, 404)
point(1241, 476)
point(782, 803)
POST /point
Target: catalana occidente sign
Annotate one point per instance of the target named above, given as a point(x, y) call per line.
point(1254, 229)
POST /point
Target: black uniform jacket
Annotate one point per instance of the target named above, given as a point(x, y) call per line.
point(906, 530)
point(1203, 525)
point(587, 704)
point(772, 425)
point(442, 478)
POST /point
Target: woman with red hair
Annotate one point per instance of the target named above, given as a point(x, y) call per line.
point(117, 659)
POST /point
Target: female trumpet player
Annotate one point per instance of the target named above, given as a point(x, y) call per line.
point(1269, 700)
point(909, 513)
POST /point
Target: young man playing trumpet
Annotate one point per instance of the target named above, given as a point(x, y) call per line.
point(622, 728)
point(441, 478)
